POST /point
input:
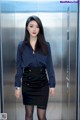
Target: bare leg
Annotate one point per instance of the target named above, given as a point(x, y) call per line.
point(29, 112)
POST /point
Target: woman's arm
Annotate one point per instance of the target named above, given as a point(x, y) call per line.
point(19, 72)
point(50, 71)
point(19, 69)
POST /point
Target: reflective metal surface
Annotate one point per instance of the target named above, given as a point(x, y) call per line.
point(69, 70)
point(8, 57)
point(78, 104)
point(60, 29)
point(0, 60)
point(12, 33)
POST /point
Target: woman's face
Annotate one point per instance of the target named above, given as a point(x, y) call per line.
point(33, 28)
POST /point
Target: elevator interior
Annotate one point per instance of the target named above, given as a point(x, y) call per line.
point(60, 27)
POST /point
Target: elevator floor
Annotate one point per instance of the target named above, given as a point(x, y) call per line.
point(53, 111)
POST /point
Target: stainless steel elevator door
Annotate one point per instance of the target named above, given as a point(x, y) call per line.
point(13, 28)
point(8, 57)
point(69, 72)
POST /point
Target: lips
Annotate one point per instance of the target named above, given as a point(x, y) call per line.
point(34, 33)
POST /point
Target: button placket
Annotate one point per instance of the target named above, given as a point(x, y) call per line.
point(33, 52)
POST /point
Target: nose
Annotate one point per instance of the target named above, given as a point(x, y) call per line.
point(34, 28)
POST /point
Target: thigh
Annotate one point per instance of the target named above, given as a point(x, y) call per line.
point(29, 109)
point(41, 112)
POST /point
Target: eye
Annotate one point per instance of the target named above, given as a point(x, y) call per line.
point(31, 25)
point(37, 26)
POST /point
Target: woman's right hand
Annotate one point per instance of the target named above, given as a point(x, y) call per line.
point(18, 93)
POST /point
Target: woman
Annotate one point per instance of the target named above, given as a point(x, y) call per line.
point(33, 62)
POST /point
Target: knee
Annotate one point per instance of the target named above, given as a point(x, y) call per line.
point(29, 116)
point(41, 117)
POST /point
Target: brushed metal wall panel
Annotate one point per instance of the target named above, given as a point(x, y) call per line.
point(69, 70)
point(8, 55)
point(79, 66)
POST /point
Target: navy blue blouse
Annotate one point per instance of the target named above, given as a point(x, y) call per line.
point(29, 58)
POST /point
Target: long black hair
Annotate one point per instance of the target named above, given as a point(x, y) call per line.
point(41, 44)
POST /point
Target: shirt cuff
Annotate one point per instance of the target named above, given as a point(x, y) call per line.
point(52, 85)
point(18, 88)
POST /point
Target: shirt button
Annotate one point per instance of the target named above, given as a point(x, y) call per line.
point(40, 69)
point(29, 70)
point(33, 52)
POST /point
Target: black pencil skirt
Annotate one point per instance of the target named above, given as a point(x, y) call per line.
point(35, 87)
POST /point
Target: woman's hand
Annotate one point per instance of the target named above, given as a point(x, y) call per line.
point(52, 91)
point(18, 93)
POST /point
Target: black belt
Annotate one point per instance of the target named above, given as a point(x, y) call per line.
point(34, 77)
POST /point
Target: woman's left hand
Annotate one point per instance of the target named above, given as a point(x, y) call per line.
point(52, 91)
